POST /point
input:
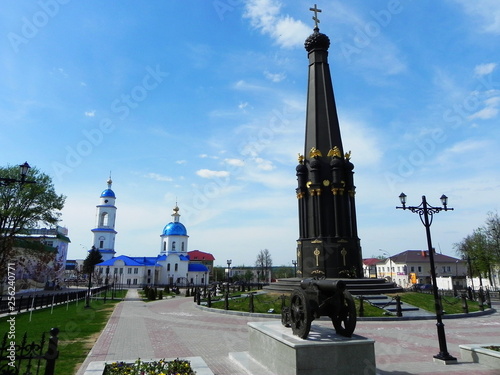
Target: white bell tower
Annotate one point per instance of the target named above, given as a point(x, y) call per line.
point(104, 231)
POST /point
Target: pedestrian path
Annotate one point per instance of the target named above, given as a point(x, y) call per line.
point(178, 328)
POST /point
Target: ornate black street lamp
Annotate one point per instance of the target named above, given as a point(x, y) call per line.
point(426, 213)
point(23, 172)
point(294, 262)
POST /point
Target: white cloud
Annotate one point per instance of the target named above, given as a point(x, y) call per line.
point(484, 69)
point(207, 173)
point(265, 165)
point(158, 177)
point(286, 31)
point(487, 11)
point(490, 110)
point(274, 77)
point(90, 113)
point(235, 162)
point(181, 162)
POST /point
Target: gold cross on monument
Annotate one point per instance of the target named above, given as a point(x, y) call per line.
point(315, 17)
point(316, 253)
point(344, 253)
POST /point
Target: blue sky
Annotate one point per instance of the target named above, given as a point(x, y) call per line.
point(203, 103)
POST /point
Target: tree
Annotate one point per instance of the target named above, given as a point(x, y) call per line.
point(264, 262)
point(94, 257)
point(25, 206)
point(477, 250)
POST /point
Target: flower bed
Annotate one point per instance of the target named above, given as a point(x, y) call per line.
point(161, 367)
point(195, 365)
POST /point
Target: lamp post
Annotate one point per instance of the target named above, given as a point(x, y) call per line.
point(229, 261)
point(390, 261)
point(426, 213)
point(294, 262)
point(23, 172)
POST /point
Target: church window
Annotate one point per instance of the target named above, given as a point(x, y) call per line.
point(149, 281)
point(115, 271)
point(164, 246)
point(104, 219)
point(121, 271)
point(168, 267)
point(176, 267)
point(203, 280)
point(149, 273)
point(182, 246)
point(173, 246)
point(128, 281)
point(419, 268)
point(136, 270)
point(135, 281)
point(101, 244)
point(129, 270)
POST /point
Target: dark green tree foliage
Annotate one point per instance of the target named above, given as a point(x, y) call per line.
point(482, 248)
point(25, 206)
point(94, 257)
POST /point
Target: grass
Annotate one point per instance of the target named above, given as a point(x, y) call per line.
point(264, 302)
point(425, 301)
point(79, 328)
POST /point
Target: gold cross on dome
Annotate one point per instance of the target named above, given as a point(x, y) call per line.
point(315, 17)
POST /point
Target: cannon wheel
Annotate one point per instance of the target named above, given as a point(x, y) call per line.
point(345, 319)
point(300, 314)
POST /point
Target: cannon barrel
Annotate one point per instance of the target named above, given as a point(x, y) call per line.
point(324, 285)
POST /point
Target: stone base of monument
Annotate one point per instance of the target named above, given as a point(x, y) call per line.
point(274, 348)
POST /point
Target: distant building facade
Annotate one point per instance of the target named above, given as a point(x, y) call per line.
point(174, 265)
point(413, 267)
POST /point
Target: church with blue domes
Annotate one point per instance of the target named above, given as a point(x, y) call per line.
point(172, 266)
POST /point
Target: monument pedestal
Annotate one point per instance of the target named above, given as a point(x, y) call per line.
point(324, 352)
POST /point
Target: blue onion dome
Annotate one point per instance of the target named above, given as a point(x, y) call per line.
point(317, 40)
point(108, 193)
point(174, 229)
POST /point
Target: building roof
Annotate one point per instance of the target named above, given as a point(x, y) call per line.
point(131, 261)
point(414, 256)
point(108, 193)
point(197, 267)
point(200, 255)
point(174, 229)
point(371, 261)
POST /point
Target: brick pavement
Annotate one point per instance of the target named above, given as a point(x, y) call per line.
point(177, 328)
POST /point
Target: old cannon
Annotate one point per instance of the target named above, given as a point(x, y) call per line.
point(316, 298)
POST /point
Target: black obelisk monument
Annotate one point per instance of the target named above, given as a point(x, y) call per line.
point(328, 244)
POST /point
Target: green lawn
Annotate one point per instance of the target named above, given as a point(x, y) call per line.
point(264, 302)
point(425, 301)
point(79, 328)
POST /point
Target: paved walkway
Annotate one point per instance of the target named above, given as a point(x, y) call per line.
point(177, 328)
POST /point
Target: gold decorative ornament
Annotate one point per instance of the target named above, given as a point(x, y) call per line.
point(316, 254)
point(317, 272)
point(334, 152)
point(344, 253)
point(308, 184)
point(317, 241)
point(314, 153)
point(326, 183)
point(348, 155)
point(301, 159)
